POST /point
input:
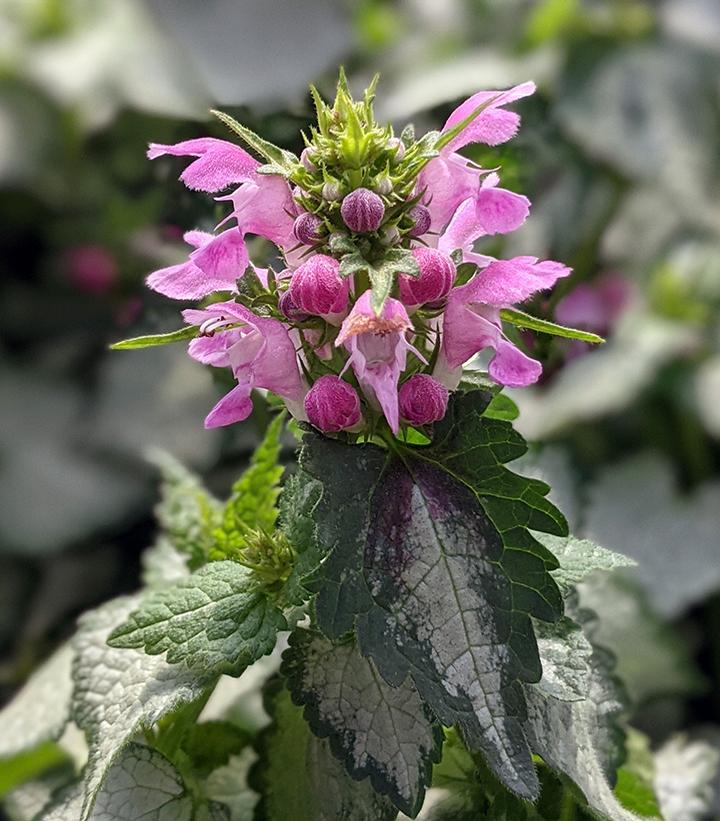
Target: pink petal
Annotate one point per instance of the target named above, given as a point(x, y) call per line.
point(507, 281)
point(264, 207)
point(492, 126)
point(224, 259)
point(233, 407)
point(447, 180)
point(499, 211)
point(219, 164)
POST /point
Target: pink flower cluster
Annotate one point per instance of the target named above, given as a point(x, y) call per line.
point(338, 358)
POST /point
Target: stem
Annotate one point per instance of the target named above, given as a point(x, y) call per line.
point(170, 737)
point(567, 806)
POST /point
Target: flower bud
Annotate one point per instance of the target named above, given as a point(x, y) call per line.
point(307, 228)
point(422, 399)
point(384, 185)
point(362, 211)
point(390, 235)
point(289, 309)
point(317, 287)
point(306, 158)
point(420, 215)
point(332, 404)
point(398, 146)
point(437, 274)
point(331, 192)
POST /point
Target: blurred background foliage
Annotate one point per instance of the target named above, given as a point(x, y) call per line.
point(619, 154)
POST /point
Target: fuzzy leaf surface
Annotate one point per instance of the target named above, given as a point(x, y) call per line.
point(374, 729)
point(579, 558)
point(217, 620)
point(120, 692)
point(299, 498)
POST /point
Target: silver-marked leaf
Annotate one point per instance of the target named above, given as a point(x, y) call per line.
point(119, 692)
point(298, 500)
point(40, 710)
point(162, 564)
point(141, 784)
point(229, 785)
point(374, 729)
point(579, 558)
point(299, 778)
point(216, 620)
point(565, 653)
point(685, 775)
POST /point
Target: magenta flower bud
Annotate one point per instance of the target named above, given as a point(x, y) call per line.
point(422, 399)
point(420, 215)
point(307, 228)
point(290, 310)
point(306, 158)
point(398, 146)
point(437, 274)
point(362, 211)
point(317, 287)
point(332, 405)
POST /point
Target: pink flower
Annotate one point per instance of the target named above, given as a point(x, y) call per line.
point(423, 400)
point(257, 349)
point(91, 268)
point(317, 287)
point(265, 207)
point(362, 211)
point(219, 162)
point(472, 319)
point(595, 306)
point(378, 349)
point(437, 274)
point(216, 264)
point(332, 405)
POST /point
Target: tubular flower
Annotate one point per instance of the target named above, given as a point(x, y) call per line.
point(371, 229)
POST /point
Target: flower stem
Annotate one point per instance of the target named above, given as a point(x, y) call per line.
point(567, 806)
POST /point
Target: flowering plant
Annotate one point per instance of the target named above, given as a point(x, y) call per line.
point(424, 592)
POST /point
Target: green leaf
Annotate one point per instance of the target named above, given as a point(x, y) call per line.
point(381, 283)
point(425, 549)
point(502, 407)
point(181, 335)
point(187, 513)
point(634, 786)
point(119, 693)
point(522, 320)
point(210, 744)
point(28, 801)
point(218, 620)
point(285, 160)
point(353, 263)
point(253, 504)
point(374, 729)
point(25, 766)
point(298, 500)
point(39, 712)
point(229, 786)
point(382, 274)
point(299, 778)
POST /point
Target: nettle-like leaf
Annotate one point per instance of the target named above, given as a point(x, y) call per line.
point(39, 712)
point(186, 513)
point(430, 560)
point(253, 503)
point(229, 786)
point(141, 783)
point(299, 778)
point(217, 620)
point(121, 692)
point(374, 729)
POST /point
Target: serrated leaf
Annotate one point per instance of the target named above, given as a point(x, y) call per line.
point(579, 558)
point(353, 263)
point(120, 692)
point(218, 620)
point(374, 729)
point(299, 498)
point(272, 153)
point(381, 283)
point(522, 320)
point(382, 274)
point(152, 340)
point(299, 778)
point(565, 653)
point(229, 786)
point(141, 784)
point(39, 712)
point(253, 503)
point(163, 564)
point(187, 513)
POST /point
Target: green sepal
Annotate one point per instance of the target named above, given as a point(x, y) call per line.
point(522, 320)
point(353, 263)
point(152, 340)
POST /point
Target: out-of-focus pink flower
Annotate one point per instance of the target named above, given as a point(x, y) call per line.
point(90, 268)
point(219, 164)
point(362, 211)
point(317, 287)
point(472, 319)
point(216, 264)
point(595, 306)
point(423, 400)
point(257, 349)
point(332, 404)
point(437, 274)
point(378, 349)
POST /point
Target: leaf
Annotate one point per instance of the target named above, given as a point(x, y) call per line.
point(272, 153)
point(118, 693)
point(352, 263)
point(382, 274)
point(163, 564)
point(18, 770)
point(565, 653)
point(39, 712)
point(210, 744)
point(28, 800)
point(381, 283)
point(686, 778)
point(580, 558)
point(299, 778)
point(522, 320)
point(150, 341)
point(425, 550)
point(218, 620)
point(229, 785)
point(634, 786)
point(141, 784)
point(299, 498)
point(187, 513)
point(502, 407)
point(374, 729)
point(253, 503)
